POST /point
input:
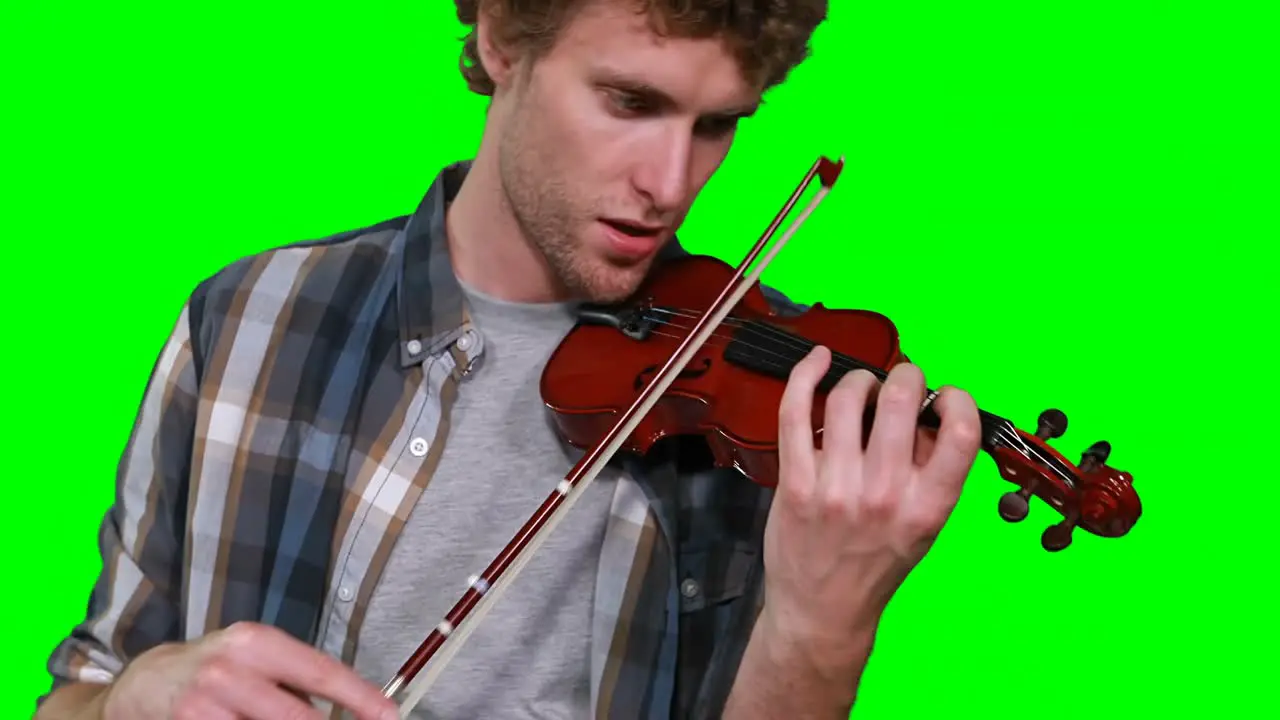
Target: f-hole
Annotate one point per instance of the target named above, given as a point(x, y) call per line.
point(689, 373)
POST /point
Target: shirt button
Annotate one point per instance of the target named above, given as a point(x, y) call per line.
point(464, 342)
point(414, 347)
point(689, 588)
point(418, 446)
point(345, 594)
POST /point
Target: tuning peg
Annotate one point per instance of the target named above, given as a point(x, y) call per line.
point(1096, 456)
point(1052, 424)
point(1014, 506)
point(1057, 537)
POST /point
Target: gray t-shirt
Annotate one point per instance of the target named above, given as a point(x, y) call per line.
point(530, 658)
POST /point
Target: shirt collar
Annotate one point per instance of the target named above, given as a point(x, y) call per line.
point(431, 304)
point(430, 301)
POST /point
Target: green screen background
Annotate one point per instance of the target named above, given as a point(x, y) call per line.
point(1067, 205)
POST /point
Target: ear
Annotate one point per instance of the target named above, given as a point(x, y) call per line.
point(499, 61)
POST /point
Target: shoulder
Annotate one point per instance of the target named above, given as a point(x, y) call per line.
point(781, 303)
point(315, 276)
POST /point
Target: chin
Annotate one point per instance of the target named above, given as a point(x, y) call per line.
point(610, 284)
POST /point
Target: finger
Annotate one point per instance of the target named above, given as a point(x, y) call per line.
point(278, 657)
point(891, 445)
point(925, 440)
point(250, 697)
point(842, 425)
point(796, 453)
point(202, 706)
point(958, 441)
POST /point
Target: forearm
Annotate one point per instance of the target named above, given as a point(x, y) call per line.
point(77, 701)
point(781, 677)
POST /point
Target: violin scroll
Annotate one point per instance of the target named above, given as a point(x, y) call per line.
point(1091, 495)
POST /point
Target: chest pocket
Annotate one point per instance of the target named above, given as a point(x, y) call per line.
point(721, 526)
point(715, 574)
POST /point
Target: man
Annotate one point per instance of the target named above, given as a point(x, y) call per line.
point(338, 434)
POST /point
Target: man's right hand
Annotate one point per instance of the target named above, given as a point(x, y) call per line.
point(245, 672)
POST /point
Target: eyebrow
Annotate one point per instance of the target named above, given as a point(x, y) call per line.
point(662, 99)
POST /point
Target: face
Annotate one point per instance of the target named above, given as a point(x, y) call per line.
point(605, 140)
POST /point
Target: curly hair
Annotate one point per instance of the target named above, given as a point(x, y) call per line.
point(769, 38)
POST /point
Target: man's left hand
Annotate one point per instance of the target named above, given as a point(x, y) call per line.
point(849, 521)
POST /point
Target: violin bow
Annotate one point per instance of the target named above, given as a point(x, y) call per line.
point(485, 589)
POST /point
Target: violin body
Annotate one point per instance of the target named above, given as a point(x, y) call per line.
point(729, 392)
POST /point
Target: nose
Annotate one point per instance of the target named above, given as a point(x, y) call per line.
point(663, 174)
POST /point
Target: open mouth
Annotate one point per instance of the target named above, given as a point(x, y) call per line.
point(632, 240)
point(634, 230)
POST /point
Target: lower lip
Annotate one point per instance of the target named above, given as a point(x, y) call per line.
point(631, 246)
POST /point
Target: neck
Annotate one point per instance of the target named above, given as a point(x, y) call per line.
point(489, 250)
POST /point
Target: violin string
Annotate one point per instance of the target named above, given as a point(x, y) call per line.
point(786, 363)
point(840, 361)
point(800, 344)
point(1004, 432)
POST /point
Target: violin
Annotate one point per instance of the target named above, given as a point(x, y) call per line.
point(730, 391)
point(699, 350)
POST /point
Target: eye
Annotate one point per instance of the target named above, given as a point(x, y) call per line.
point(627, 104)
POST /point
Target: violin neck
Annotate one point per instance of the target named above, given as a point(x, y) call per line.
point(993, 426)
point(775, 351)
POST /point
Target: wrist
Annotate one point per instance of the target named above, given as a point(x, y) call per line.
point(790, 671)
point(834, 654)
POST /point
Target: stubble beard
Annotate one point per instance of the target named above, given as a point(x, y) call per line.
point(546, 213)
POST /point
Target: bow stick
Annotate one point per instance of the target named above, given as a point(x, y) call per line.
point(484, 589)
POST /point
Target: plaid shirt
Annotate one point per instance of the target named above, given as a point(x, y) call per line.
point(279, 449)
